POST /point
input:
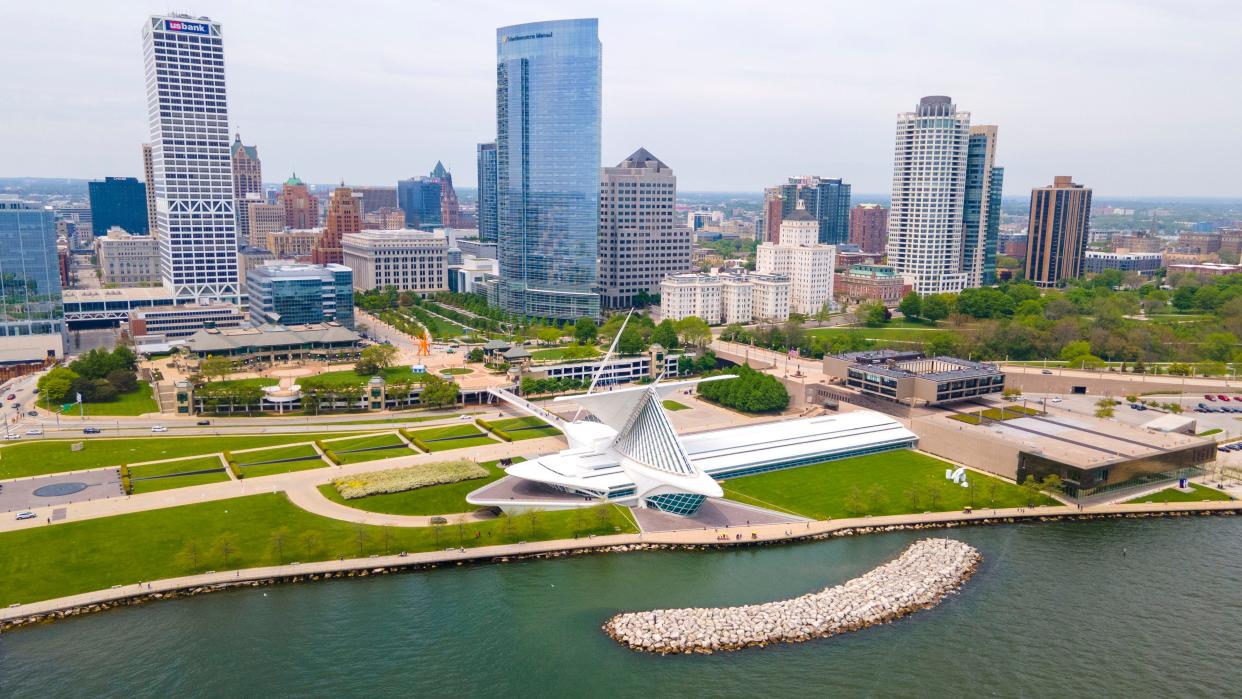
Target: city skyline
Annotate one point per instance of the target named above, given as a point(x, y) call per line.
point(762, 87)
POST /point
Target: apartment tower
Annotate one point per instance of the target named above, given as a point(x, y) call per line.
point(1060, 224)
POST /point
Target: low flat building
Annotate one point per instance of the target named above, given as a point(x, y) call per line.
point(1145, 263)
point(297, 294)
point(183, 321)
point(1207, 269)
point(410, 260)
point(277, 343)
point(911, 377)
point(87, 306)
point(126, 259)
point(465, 276)
point(734, 296)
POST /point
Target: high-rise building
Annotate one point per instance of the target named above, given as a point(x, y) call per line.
point(410, 260)
point(808, 264)
point(869, 227)
point(189, 125)
point(293, 244)
point(548, 77)
point(384, 219)
point(419, 198)
point(344, 216)
point(119, 202)
point(487, 213)
point(296, 294)
point(263, 219)
point(247, 181)
point(301, 207)
point(981, 208)
point(32, 325)
point(1059, 228)
point(773, 205)
point(148, 180)
point(450, 209)
point(826, 200)
point(375, 198)
point(929, 183)
point(126, 259)
point(640, 241)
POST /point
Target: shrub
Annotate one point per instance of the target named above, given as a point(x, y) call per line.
point(401, 479)
point(491, 427)
point(751, 391)
point(232, 462)
point(328, 452)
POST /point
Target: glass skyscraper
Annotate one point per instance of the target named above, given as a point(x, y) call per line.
point(118, 201)
point(548, 77)
point(826, 199)
point(419, 198)
point(296, 294)
point(981, 208)
point(487, 192)
point(31, 311)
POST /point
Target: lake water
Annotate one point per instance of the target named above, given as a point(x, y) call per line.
point(1101, 609)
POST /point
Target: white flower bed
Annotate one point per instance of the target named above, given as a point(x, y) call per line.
point(401, 479)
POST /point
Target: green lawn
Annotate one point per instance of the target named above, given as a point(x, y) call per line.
point(259, 530)
point(261, 382)
point(1009, 412)
point(164, 468)
point(56, 455)
point(674, 405)
point(1208, 433)
point(347, 378)
point(907, 334)
point(469, 436)
point(444, 499)
point(380, 440)
point(171, 482)
point(584, 352)
point(456, 371)
point(1197, 493)
point(521, 428)
point(823, 490)
point(136, 402)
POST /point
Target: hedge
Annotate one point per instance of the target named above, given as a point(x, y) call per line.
point(232, 462)
point(491, 427)
point(127, 485)
point(331, 455)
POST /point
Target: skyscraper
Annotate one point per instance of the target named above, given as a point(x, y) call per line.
point(640, 241)
point(344, 216)
point(826, 200)
point(32, 322)
point(1060, 226)
point(189, 124)
point(487, 192)
point(548, 77)
point(929, 183)
point(120, 202)
point(981, 208)
point(869, 227)
point(800, 256)
point(450, 210)
point(148, 180)
point(247, 180)
point(773, 205)
point(301, 207)
point(419, 198)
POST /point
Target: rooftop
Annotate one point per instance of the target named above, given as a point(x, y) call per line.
point(908, 363)
point(220, 340)
point(129, 293)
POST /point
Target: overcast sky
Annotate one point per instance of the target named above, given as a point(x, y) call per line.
point(1131, 98)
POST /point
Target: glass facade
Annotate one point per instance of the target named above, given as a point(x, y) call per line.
point(548, 77)
point(118, 201)
point(488, 213)
point(300, 294)
point(981, 209)
point(30, 291)
point(991, 231)
point(419, 198)
point(676, 503)
point(828, 200)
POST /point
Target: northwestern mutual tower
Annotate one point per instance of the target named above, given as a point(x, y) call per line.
point(547, 160)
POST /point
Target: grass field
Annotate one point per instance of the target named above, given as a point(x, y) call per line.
point(890, 483)
point(259, 530)
point(456, 371)
point(584, 352)
point(1008, 412)
point(347, 378)
point(674, 405)
point(260, 382)
point(136, 402)
point(529, 427)
point(293, 451)
point(446, 499)
point(169, 483)
point(1197, 493)
point(164, 468)
point(380, 440)
point(468, 436)
point(56, 455)
point(912, 334)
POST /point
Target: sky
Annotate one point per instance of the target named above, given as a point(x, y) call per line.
point(1131, 98)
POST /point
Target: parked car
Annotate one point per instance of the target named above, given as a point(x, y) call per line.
point(159, 428)
point(35, 391)
point(11, 396)
point(32, 413)
point(1223, 397)
point(1055, 399)
point(35, 431)
point(1046, 371)
point(12, 435)
point(1209, 397)
point(200, 423)
point(25, 515)
point(90, 430)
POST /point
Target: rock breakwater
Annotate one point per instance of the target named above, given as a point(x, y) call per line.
point(918, 579)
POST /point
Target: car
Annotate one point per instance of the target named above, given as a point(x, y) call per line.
point(12, 435)
point(11, 396)
point(35, 431)
point(1209, 397)
point(159, 428)
point(200, 423)
point(32, 413)
point(35, 391)
point(1046, 371)
point(90, 430)
point(17, 406)
point(25, 515)
point(1056, 399)
point(1223, 397)
point(1140, 406)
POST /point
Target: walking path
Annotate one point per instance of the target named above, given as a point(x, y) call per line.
point(767, 533)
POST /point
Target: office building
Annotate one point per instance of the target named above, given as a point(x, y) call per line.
point(981, 208)
point(799, 256)
point(640, 241)
point(450, 209)
point(119, 202)
point(770, 226)
point(82, 228)
point(869, 227)
point(293, 244)
point(1057, 235)
point(911, 377)
point(32, 325)
point(375, 198)
point(487, 211)
point(247, 184)
point(548, 78)
point(263, 219)
point(148, 180)
point(126, 259)
point(384, 219)
point(249, 258)
point(189, 122)
point(826, 200)
point(862, 283)
point(301, 207)
point(467, 274)
point(929, 186)
point(419, 198)
point(297, 294)
point(410, 260)
point(344, 216)
point(161, 324)
point(1145, 263)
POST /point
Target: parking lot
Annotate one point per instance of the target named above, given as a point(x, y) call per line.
point(28, 493)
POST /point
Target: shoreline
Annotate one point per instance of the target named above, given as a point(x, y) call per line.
point(46, 611)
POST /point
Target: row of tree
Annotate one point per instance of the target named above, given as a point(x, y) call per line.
point(751, 391)
point(98, 376)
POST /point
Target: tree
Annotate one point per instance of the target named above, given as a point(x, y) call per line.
point(1032, 488)
point(875, 497)
point(873, 314)
point(631, 341)
point(123, 380)
point(548, 334)
point(56, 384)
point(1219, 346)
point(685, 365)
point(911, 305)
point(475, 355)
point(217, 367)
point(439, 392)
point(751, 391)
point(694, 331)
point(936, 307)
point(375, 359)
point(665, 335)
point(585, 330)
